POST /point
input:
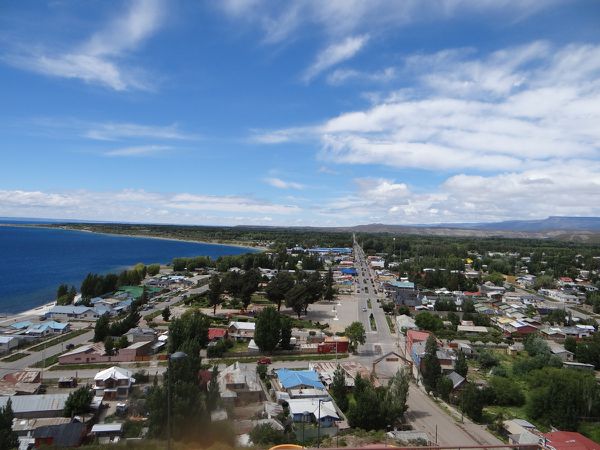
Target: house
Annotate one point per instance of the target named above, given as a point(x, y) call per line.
point(242, 330)
point(334, 344)
point(140, 334)
point(60, 436)
point(316, 410)
point(36, 406)
point(107, 432)
point(96, 353)
point(47, 328)
point(113, 383)
point(517, 328)
point(67, 382)
point(471, 330)
point(568, 440)
point(457, 380)
point(25, 382)
point(61, 312)
point(217, 334)
point(239, 385)
point(403, 293)
point(24, 428)
point(298, 379)
point(404, 323)
point(560, 351)
point(7, 343)
point(21, 325)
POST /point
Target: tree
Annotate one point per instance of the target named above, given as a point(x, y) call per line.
point(101, 329)
point(296, 298)
point(109, 345)
point(286, 332)
point(571, 344)
point(153, 269)
point(8, 438)
point(278, 287)
point(396, 396)
point(444, 387)
point(264, 435)
point(213, 396)
point(329, 293)
point(428, 321)
point(268, 329)
point(461, 366)
point(506, 392)
point(215, 289)
point(338, 388)
point(471, 402)
point(78, 402)
point(166, 313)
point(432, 368)
point(355, 332)
point(122, 342)
point(315, 288)
point(487, 359)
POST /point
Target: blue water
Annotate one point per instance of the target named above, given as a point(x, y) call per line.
point(34, 261)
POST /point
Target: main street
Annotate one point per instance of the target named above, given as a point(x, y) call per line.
point(424, 414)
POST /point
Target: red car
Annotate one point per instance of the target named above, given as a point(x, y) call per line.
point(264, 360)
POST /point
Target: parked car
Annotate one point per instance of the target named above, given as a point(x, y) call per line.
point(264, 360)
point(70, 346)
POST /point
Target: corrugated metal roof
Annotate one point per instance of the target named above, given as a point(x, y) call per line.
point(31, 403)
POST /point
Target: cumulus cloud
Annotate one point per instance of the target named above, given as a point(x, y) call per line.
point(282, 184)
point(335, 54)
point(142, 206)
point(100, 59)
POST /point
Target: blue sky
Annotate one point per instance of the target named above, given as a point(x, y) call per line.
point(300, 113)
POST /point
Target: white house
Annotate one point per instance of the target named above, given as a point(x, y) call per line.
point(324, 411)
point(7, 343)
point(72, 312)
point(242, 329)
point(113, 383)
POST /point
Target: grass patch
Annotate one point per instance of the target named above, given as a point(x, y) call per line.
point(150, 317)
point(259, 299)
point(390, 323)
point(58, 340)
point(304, 323)
point(591, 430)
point(14, 357)
point(49, 361)
point(369, 305)
point(79, 366)
point(372, 322)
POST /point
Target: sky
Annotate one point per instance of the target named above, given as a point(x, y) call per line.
point(308, 112)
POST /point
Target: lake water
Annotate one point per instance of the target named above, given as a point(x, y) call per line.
point(34, 261)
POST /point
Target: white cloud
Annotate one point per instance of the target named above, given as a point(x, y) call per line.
point(339, 18)
point(142, 206)
point(511, 110)
point(341, 76)
point(111, 131)
point(281, 184)
point(99, 60)
point(335, 54)
point(142, 150)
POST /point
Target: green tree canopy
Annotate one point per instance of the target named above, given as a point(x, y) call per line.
point(431, 368)
point(8, 438)
point(268, 329)
point(78, 402)
point(356, 334)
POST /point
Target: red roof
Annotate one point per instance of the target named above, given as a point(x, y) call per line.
point(416, 336)
point(215, 333)
point(570, 440)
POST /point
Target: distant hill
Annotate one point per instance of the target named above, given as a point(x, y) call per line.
point(553, 223)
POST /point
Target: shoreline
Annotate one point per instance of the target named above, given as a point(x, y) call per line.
point(12, 317)
point(141, 236)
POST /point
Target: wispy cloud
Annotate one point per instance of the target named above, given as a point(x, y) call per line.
point(112, 131)
point(282, 184)
point(335, 54)
point(101, 59)
point(142, 150)
point(341, 76)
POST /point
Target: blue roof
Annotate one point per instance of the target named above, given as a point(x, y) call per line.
point(292, 378)
point(403, 284)
point(350, 271)
point(21, 325)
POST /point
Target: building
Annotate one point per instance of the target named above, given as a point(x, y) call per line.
point(217, 334)
point(60, 436)
point(471, 330)
point(403, 293)
point(313, 410)
point(334, 344)
point(457, 380)
point(107, 433)
point(239, 385)
point(568, 440)
point(242, 330)
point(96, 353)
point(47, 328)
point(298, 379)
point(140, 334)
point(60, 312)
point(36, 406)
point(7, 343)
point(560, 351)
point(404, 323)
point(113, 383)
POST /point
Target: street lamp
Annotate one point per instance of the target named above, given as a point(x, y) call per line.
point(173, 356)
point(319, 422)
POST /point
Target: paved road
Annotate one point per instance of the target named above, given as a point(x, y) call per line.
point(423, 413)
